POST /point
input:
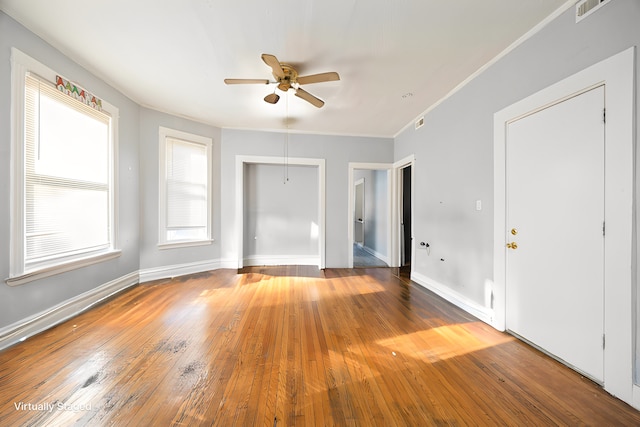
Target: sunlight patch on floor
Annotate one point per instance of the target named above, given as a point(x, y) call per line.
point(445, 342)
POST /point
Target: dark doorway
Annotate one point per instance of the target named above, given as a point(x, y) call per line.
point(406, 216)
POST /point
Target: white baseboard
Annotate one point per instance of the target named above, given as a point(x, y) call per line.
point(636, 397)
point(167, 272)
point(256, 260)
point(44, 320)
point(376, 254)
point(457, 299)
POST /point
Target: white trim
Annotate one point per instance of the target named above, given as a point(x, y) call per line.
point(532, 32)
point(396, 220)
point(256, 260)
point(62, 268)
point(37, 323)
point(20, 65)
point(454, 297)
point(617, 74)
point(163, 134)
point(636, 397)
point(184, 244)
point(115, 174)
point(19, 68)
point(351, 206)
point(176, 270)
point(297, 131)
point(293, 161)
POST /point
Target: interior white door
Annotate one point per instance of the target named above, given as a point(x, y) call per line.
point(358, 215)
point(555, 221)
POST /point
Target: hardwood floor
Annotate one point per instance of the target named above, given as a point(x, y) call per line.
point(289, 346)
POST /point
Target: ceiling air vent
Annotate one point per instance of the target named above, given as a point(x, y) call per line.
point(419, 122)
point(585, 8)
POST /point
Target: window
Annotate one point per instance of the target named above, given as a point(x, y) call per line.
point(63, 174)
point(185, 201)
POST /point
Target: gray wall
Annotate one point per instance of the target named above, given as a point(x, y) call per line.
point(19, 302)
point(337, 151)
point(279, 215)
point(150, 255)
point(454, 149)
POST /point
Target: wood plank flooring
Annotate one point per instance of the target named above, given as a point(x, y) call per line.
point(289, 346)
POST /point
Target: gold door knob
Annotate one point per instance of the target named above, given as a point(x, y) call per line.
point(514, 231)
point(512, 245)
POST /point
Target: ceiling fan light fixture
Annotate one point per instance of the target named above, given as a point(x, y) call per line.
point(287, 78)
point(272, 98)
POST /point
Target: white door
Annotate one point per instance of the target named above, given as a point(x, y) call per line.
point(358, 215)
point(555, 220)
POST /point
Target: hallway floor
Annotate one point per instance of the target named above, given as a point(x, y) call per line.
point(362, 258)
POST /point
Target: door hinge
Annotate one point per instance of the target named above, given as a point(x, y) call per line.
point(604, 115)
point(603, 341)
point(603, 227)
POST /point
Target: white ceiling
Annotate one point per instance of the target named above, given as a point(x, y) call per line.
point(172, 55)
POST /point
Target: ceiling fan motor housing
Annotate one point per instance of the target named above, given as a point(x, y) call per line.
point(290, 77)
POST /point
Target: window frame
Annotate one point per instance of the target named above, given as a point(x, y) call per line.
point(19, 271)
point(164, 134)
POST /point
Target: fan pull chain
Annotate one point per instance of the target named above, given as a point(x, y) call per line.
point(286, 142)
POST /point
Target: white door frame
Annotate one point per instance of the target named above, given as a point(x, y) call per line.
point(394, 197)
point(352, 197)
point(617, 74)
point(397, 209)
point(292, 161)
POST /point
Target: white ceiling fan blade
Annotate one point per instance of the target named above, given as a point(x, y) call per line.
point(317, 102)
point(319, 78)
point(246, 81)
point(273, 62)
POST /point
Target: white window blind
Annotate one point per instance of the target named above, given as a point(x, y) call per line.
point(186, 189)
point(67, 176)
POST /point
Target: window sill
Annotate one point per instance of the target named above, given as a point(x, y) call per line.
point(184, 244)
point(41, 273)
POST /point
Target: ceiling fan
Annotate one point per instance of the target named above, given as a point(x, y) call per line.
point(287, 78)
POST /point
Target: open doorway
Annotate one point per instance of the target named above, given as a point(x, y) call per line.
point(370, 215)
point(259, 219)
point(405, 217)
point(403, 248)
point(371, 218)
point(397, 218)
